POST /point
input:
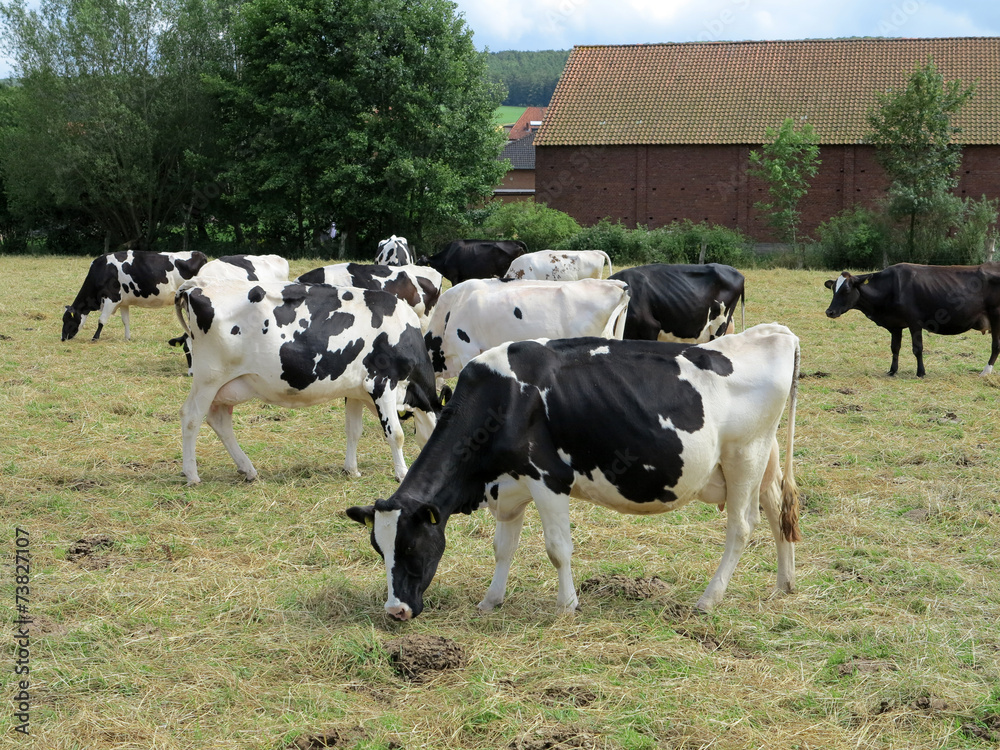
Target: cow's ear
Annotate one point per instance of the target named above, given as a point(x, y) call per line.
point(829, 283)
point(365, 515)
point(429, 513)
point(446, 394)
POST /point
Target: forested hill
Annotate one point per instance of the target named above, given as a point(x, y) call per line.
point(530, 77)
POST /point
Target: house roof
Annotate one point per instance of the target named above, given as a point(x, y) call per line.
point(522, 127)
point(520, 152)
point(729, 92)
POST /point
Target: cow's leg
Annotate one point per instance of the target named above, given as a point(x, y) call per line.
point(917, 339)
point(107, 310)
point(994, 316)
point(770, 501)
point(743, 471)
point(220, 419)
point(385, 408)
point(505, 541)
point(895, 342)
point(553, 509)
point(193, 413)
point(128, 332)
point(353, 410)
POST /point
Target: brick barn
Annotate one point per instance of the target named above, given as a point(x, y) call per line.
point(649, 134)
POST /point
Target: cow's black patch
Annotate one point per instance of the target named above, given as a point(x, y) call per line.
point(242, 261)
point(517, 313)
point(706, 359)
point(201, 307)
point(267, 326)
point(235, 331)
point(495, 491)
point(148, 271)
point(256, 294)
point(347, 295)
point(381, 304)
point(315, 276)
point(434, 346)
point(462, 335)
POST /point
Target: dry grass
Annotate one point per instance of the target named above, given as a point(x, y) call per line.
point(249, 616)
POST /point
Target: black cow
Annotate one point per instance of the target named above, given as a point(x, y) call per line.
point(635, 426)
point(475, 259)
point(677, 302)
point(940, 299)
point(131, 277)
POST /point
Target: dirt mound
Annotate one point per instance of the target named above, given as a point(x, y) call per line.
point(628, 588)
point(329, 738)
point(417, 657)
point(88, 546)
point(556, 739)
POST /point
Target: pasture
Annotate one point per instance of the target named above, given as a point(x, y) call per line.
point(249, 616)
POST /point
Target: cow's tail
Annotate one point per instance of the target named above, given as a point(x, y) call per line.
point(615, 327)
point(743, 310)
point(607, 259)
point(789, 490)
point(181, 304)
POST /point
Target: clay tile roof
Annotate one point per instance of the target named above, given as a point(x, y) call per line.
point(520, 152)
point(729, 92)
point(521, 128)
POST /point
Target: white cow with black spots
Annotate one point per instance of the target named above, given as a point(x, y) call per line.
point(560, 265)
point(297, 345)
point(394, 251)
point(639, 427)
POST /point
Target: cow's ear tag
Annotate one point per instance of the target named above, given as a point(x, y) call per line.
point(433, 517)
point(370, 523)
point(865, 281)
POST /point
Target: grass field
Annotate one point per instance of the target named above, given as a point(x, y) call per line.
point(249, 616)
point(507, 115)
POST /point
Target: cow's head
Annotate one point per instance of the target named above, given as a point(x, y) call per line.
point(72, 320)
point(410, 538)
point(846, 292)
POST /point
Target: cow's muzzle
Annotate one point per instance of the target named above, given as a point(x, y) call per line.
point(399, 612)
point(831, 313)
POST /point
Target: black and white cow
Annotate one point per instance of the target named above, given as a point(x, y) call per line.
point(394, 251)
point(678, 302)
point(418, 286)
point(635, 426)
point(479, 314)
point(131, 277)
point(475, 259)
point(560, 265)
point(940, 299)
point(240, 268)
point(296, 345)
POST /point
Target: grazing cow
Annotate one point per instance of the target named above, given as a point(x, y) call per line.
point(238, 267)
point(940, 299)
point(130, 277)
point(475, 259)
point(560, 265)
point(297, 345)
point(686, 303)
point(635, 426)
point(394, 251)
point(479, 314)
point(417, 286)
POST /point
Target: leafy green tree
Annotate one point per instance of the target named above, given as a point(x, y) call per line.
point(110, 114)
point(916, 143)
point(786, 165)
point(374, 114)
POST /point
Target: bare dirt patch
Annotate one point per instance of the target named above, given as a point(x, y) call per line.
point(636, 589)
point(418, 657)
point(330, 738)
point(573, 695)
point(84, 552)
point(556, 739)
point(859, 664)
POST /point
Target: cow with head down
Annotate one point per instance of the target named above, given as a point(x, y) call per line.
point(639, 427)
point(462, 260)
point(118, 281)
point(297, 345)
point(394, 251)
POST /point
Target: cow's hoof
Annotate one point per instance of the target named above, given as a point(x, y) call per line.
point(249, 476)
point(351, 472)
point(487, 606)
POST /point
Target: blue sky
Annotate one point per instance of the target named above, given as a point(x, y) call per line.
point(561, 24)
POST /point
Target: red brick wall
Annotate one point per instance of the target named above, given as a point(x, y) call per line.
point(655, 185)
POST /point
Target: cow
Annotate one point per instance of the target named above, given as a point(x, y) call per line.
point(479, 314)
point(245, 267)
point(639, 427)
point(394, 251)
point(681, 303)
point(130, 277)
point(560, 265)
point(940, 299)
point(296, 345)
point(418, 286)
point(475, 259)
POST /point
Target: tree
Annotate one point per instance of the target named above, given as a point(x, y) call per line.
point(110, 114)
point(786, 165)
point(916, 144)
point(373, 114)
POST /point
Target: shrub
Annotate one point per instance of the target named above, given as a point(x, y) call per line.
point(535, 224)
point(855, 238)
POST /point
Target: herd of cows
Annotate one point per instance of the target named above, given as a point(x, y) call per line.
point(632, 392)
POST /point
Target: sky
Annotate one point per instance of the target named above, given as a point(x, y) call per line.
point(560, 24)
